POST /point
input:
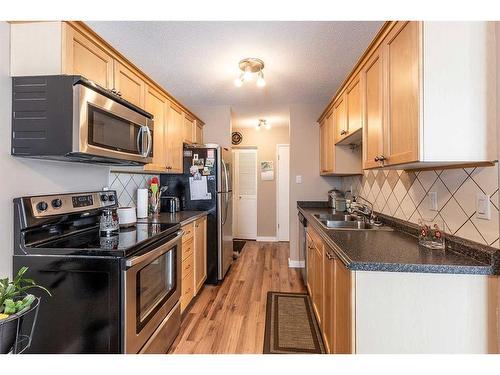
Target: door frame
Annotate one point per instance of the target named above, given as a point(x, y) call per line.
point(278, 146)
point(236, 188)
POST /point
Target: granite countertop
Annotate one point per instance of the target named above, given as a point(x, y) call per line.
point(181, 217)
point(393, 251)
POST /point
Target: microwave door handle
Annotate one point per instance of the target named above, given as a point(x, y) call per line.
point(139, 138)
point(150, 142)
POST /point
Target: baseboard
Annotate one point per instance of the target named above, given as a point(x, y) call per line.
point(296, 263)
point(267, 239)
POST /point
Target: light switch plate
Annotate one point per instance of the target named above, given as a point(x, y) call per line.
point(433, 200)
point(483, 206)
point(298, 179)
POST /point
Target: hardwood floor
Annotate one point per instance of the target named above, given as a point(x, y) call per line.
point(230, 318)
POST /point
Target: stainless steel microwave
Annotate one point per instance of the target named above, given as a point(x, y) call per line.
point(70, 118)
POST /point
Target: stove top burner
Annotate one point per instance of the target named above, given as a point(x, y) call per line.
point(122, 244)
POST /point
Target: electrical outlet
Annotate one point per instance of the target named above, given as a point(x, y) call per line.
point(298, 179)
point(483, 206)
point(433, 200)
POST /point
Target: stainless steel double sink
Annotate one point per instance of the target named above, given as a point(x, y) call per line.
point(342, 221)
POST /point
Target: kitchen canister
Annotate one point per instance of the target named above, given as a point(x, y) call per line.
point(142, 203)
point(127, 216)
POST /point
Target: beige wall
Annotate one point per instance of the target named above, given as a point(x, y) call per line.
point(217, 121)
point(29, 177)
point(304, 161)
point(265, 141)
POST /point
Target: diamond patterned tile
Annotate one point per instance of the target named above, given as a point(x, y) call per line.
point(488, 228)
point(453, 178)
point(415, 217)
point(466, 196)
point(399, 214)
point(408, 207)
point(416, 192)
point(370, 178)
point(494, 199)
point(486, 178)
point(424, 210)
point(392, 178)
point(427, 179)
point(453, 215)
point(380, 179)
point(399, 191)
point(407, 179)
point(496, 244)
point(470, 232)
point(386, 190)
point(392, 204)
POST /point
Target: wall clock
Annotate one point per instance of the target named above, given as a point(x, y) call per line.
point(236, 138)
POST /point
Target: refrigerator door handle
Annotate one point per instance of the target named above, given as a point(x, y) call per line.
point(225, 174)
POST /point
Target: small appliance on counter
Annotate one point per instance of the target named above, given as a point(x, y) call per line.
point(336, 200)
point(127, 216)
point(113, 293)
point(171, 204)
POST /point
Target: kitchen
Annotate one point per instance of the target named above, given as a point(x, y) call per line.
point(131, 193)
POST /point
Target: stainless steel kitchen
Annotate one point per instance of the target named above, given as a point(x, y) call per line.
point(189, 185)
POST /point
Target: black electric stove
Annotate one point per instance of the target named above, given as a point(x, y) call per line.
point(58, 238)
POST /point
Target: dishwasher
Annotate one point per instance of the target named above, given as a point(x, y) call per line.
point(303, 247)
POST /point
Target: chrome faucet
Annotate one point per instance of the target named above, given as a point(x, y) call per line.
point(363, 209)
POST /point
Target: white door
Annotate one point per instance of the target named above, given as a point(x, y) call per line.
point(245, 194)
point(283, 192)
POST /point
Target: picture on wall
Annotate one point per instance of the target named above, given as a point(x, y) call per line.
point(267, 170)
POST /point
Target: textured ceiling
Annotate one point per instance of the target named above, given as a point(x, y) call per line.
point(197, 62)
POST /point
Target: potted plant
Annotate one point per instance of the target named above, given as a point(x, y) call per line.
point(15, 303)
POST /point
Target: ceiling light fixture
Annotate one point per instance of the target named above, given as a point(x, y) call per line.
point(263, 124)
point(249, 67)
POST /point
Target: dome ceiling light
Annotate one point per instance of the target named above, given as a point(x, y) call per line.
point(263, 124)
point(249, 68)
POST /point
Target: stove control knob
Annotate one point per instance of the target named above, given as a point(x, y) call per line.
point(111, 198)
point(42, 206)
point(56, 203)
point(104, 198)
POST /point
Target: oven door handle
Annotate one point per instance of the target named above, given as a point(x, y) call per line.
point(155, 253)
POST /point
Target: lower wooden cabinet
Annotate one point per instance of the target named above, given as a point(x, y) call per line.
point(329, 285)
point(194, 260)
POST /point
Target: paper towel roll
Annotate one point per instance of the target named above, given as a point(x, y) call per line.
point(142, 203)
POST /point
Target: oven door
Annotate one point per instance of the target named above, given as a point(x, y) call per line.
point(152, 289)
point(104, 127)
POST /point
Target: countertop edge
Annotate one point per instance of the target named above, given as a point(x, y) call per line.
point(193, 218)
point(486, 270)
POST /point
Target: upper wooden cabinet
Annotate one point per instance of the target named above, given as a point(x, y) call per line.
point(189, 129)
point(84, 57)
point(128, 84)
point(175, 128)
point(340, 118)
point(401, 51)
point(157, 104)
point(326, 145)
point(372, 94)
point(420, 86)
point(198, 133)
point(353, 102)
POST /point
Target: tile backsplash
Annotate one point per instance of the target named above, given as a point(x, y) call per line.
point(404, 195)
point(126, 185)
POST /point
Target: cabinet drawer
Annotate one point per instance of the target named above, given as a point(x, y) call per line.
point(188, 232)
point(187, 249)
point(187, 290)
point(187, 266)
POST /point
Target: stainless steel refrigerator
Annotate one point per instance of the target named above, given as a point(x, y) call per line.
point(214, 163)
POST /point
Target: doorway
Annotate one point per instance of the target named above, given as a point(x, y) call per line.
point(245, 193)
point(283, 192)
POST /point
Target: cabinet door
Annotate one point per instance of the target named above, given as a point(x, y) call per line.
point(342, 321)
point(189, 129)
point(372, 97)
point(81, 56)
point(328, 315)
point(200, 253)
point(353, 100)
point(129, 84)
point(157, 105)
point(402, 51)
point(310, 265)
point(175, 136)
point(340, 118)
point(318, 281)
point(198, 138)
point(326, 145)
